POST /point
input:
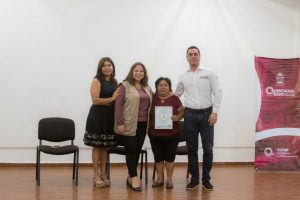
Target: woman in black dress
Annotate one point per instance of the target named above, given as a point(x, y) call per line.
point(99, 132)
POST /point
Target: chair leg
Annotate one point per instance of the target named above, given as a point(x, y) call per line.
point(74, 163)
point(38, 166)
point(108, 165)
point(77, 166)
point(36, 163)
point(187, 172)
point(146, 167)
point(154, 170)
point(142, 163)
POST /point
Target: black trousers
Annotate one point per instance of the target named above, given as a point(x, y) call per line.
point(164, 148)
point(133, 146)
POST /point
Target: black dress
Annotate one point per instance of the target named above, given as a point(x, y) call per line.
point(100, 121)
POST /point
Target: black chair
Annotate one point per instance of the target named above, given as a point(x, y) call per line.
point(120, 150)
point(57, 130)
point(181, 149)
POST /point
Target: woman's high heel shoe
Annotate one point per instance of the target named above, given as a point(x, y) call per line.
point(135, 184)
point(169, 185)
point(105, 180)
point(98, 182)
point(156, 184)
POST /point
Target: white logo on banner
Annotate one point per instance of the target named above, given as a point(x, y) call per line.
point(279, 78)
point(268, 151)
point(280, 81)
point(280, 92)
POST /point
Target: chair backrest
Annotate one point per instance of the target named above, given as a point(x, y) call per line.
point(182, 132)
point(55, 129)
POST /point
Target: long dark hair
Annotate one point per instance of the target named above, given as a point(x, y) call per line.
point(99, 73)
point(129, 78)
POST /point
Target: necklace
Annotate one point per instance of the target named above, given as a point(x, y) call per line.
point(138, 86)
point(162, 99)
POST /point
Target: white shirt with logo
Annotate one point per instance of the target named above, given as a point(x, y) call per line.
point(201, 89)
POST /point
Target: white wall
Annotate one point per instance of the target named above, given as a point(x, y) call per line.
point(49, 52)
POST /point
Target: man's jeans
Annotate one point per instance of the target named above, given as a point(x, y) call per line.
point(195, 123)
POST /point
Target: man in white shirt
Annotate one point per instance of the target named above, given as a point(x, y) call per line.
point(202, 93)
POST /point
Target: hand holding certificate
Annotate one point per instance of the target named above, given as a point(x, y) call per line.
point(163, 116)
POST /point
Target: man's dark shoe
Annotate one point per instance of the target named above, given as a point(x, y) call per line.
point(192, 185)
point(207, 186)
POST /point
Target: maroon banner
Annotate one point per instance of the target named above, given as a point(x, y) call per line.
point(277, 144)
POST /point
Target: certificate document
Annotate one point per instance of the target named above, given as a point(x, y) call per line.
point(163, 116)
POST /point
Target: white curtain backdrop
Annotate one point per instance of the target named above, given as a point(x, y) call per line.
point(49, 52)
